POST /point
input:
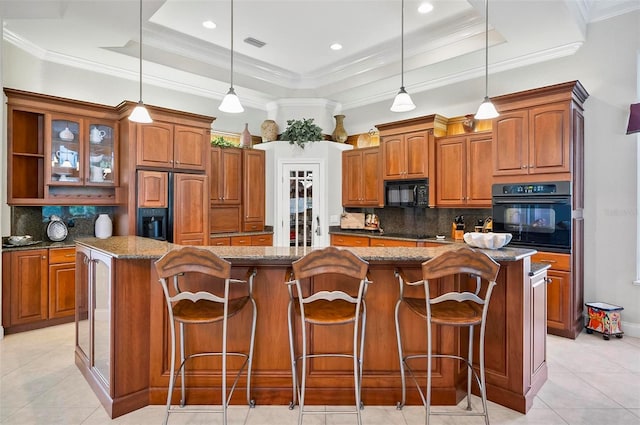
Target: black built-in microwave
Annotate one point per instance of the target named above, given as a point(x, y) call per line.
point(406, 193)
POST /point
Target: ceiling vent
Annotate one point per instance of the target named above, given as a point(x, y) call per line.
point(254, 42)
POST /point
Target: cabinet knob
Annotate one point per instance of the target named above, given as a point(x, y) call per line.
point(548, 280)
point(44, 257)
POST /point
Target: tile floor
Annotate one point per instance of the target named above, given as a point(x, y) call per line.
point(591, 381)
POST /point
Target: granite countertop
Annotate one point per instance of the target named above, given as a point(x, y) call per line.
point(374, 234)
point(67, 243)
point(538, 267)
point(133, 247)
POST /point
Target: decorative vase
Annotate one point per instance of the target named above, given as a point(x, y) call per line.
point(339, 134)
point(104, 227)
point(269, 130)
point(469, 123)
point(245, 137)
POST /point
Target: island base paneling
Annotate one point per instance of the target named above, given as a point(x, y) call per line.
point(329, 381)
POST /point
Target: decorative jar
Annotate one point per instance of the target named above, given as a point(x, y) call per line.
point(104, 227)
point(269, 130)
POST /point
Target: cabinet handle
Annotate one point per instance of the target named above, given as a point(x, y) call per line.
point(548, 280)
point(70, 255)
point(547, 261)
point(44, 257)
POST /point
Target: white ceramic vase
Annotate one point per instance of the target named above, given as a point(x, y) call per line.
point(104, 227)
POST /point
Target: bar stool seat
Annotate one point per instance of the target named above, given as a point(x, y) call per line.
point(457, 308)
point(212, 304)
point(325, 308)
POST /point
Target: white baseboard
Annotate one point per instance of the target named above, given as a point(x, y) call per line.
point(631, 329)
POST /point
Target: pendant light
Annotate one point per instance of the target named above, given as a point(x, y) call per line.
point(140, 113)
point(231, 102)
point(486, 110)
point(402, 102)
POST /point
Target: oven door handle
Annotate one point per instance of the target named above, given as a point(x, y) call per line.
point(531, 201)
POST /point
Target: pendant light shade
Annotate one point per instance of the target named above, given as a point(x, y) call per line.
point(231, 102)
point(486, 110)
point(402, 102)
point(140, 113)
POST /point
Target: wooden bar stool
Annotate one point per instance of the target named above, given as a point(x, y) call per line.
point(457, 308)
point(326, 308)
point(204, 307)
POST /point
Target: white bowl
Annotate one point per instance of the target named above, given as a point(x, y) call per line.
point(95, 158)
point(20, 240)
point(487, 240)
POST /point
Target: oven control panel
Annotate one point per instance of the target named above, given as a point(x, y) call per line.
point(554, 188)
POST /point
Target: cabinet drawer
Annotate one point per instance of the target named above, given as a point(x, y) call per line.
point(221, 241)
point(347, 240)
point(390, 242)
point(252, 227)
point(241, 240)
point(557, 261)
point(62, 255)
point(262, 240)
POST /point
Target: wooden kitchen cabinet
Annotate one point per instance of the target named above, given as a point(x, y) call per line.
point(561, 319)
point(220, 241)
point(242, 240)
point(406, 156)
point(463, 178)
point(262, 240)
point(191, 209)
point(361, 178)
point(171, 146)
point(153, 189)
point(62, 282)
point(28, 283)
point(60, 151)
point(38, 288)
point(253, 190)
point(349, 240)
point(538, 134)
point(537, 311)
point(225, 219)
point(225, 174)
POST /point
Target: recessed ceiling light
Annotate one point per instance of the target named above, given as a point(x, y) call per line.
point(209, 24)
point(336, 46)
point(425, 8)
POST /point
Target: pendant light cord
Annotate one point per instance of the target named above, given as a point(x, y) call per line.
point(486, 48)
point(231, 43)
point(140, 51)
point(402, 46)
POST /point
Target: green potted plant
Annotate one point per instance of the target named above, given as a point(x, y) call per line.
point(221, 142)
point(301, 132)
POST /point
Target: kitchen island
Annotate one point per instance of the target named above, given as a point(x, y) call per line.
point(122, 330)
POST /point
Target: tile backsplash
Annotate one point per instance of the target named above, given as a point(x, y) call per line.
point(427, 221)
point(80, 220)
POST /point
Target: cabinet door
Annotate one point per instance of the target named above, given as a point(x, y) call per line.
point(62, 286)
point(351, 178)
point(155, 145)
point(191, 209)
point(253, 193)
point(370, 177)
point(226, 176)
point(28, 285)
point(393, 156)
point(100, 284)
point(101, 155)
point(510, 144)
point(416, 157)
point(190, 145)
point(549, 132)
point(559, 300)
point(478, 167)
point(450, 171)
point(152, 189)
point(82, 279)
point(538, 311)
point(241, 240)
point(223, 219)
point(65, 150)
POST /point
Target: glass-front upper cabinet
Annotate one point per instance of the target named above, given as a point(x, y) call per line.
point(66, 150)
point(83, 152)
point(101, 153)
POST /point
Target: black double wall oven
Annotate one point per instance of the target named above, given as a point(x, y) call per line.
point(538, 215)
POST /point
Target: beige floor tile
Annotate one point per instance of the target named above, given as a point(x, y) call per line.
point(566, 390)
point(624, 388)
point(598, 416)
point(281, 415)
point(38, 415)
point(635, 412)
point(371, 415)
